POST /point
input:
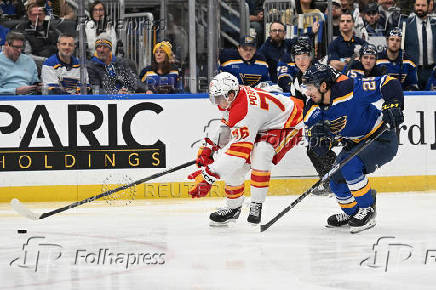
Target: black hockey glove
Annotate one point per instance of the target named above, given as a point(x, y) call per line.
point(320, 138)
point(392, 113)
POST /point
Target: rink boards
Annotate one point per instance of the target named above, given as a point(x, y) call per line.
point(55, 148)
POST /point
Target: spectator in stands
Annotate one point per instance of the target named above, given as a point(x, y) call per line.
point(397, 62)
point(256, 19)
point(12, 8)
point(421, 30)
point(359, 25)
point(112, 75)
point(57, 8)
point(336, 14)
point(3, 32)
point(276, 48)
point(244, 63)
point(371, 19)
point(342, 49)
point(162, 76)
point(61, 71)
point(99, 24)
point(390, 14)
point(365, 66)
point(41, 37)
point(18, 72)
point(313, 26)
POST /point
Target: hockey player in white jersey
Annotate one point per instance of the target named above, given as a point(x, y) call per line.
point(259, 128)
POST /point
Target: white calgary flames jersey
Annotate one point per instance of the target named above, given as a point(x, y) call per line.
point(253, 112)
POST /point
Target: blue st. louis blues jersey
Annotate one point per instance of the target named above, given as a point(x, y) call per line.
point(286, 72)
point(249, 73)
point(351, 113)
point(401, 68)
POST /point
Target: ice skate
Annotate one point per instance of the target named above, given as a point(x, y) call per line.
point(322, 190)
point(224, 215)
point(255, 213)
point(363, 220)
point(338, 220)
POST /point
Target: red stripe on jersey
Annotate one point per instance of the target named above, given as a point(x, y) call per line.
point(291, 139)
point(241, 149)
point(234, 191)
point(295, 117)
point(239, 108)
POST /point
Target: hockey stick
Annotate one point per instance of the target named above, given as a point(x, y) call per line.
point(24, 211)
point(326, 177)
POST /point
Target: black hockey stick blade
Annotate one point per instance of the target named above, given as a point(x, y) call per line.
point(24, 211)
point(327, 176)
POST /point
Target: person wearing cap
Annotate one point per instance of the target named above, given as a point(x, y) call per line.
point(112, 75)
point(397, 62)
point(365, 66)
point(371, 18)
point(244, 63)
point(162, 76)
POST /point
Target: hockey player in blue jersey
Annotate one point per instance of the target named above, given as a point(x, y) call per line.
point(244, 63)
point(365, 66)
point(290, 80)
point(342, 108)
point(396, 61)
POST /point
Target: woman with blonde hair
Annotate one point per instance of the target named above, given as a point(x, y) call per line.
point(162, 76)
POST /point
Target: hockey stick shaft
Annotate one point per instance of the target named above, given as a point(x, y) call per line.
point(112, 191)
point(326, 177)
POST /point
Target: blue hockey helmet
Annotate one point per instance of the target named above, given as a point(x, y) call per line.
point(318, 73)
point(302, 46)
point(368, 49)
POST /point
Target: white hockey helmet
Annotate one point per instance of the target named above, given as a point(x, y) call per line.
point(220, 87)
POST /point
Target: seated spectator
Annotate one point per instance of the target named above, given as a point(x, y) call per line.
point(99, 24)
point(313, 25)
point(41, 37)
point(61, 71)
point(389, 14)
point(371, 19)
point(18, 72)
point(162, 76)
point(112, 75)
point(341, 50)
point(256, 19)
point(365, 66)
point(56, 8)
point(244, 63)
point(12, 8)
point(397, 62)
point(3, 32)
point(336, 14)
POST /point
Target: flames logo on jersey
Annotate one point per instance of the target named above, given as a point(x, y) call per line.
point(337, 125)
point(250, 79)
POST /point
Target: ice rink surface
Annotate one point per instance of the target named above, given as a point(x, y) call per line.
point(168, 244)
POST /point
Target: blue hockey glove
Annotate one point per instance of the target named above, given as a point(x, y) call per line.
point(320, 138)
point(392, 113)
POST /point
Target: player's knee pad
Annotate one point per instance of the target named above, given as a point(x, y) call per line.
point(262, 155)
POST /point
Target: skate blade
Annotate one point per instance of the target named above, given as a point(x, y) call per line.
point(221, 224)
point(369, 225)
point(341, 227)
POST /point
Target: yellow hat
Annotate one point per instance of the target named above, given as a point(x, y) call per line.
point(166, 46)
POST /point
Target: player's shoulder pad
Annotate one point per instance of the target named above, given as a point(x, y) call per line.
point(239, 108)
point(309, 108)
point(342, 87)
point(228, 54)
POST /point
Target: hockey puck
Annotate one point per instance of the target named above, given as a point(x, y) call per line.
point(22, 231)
